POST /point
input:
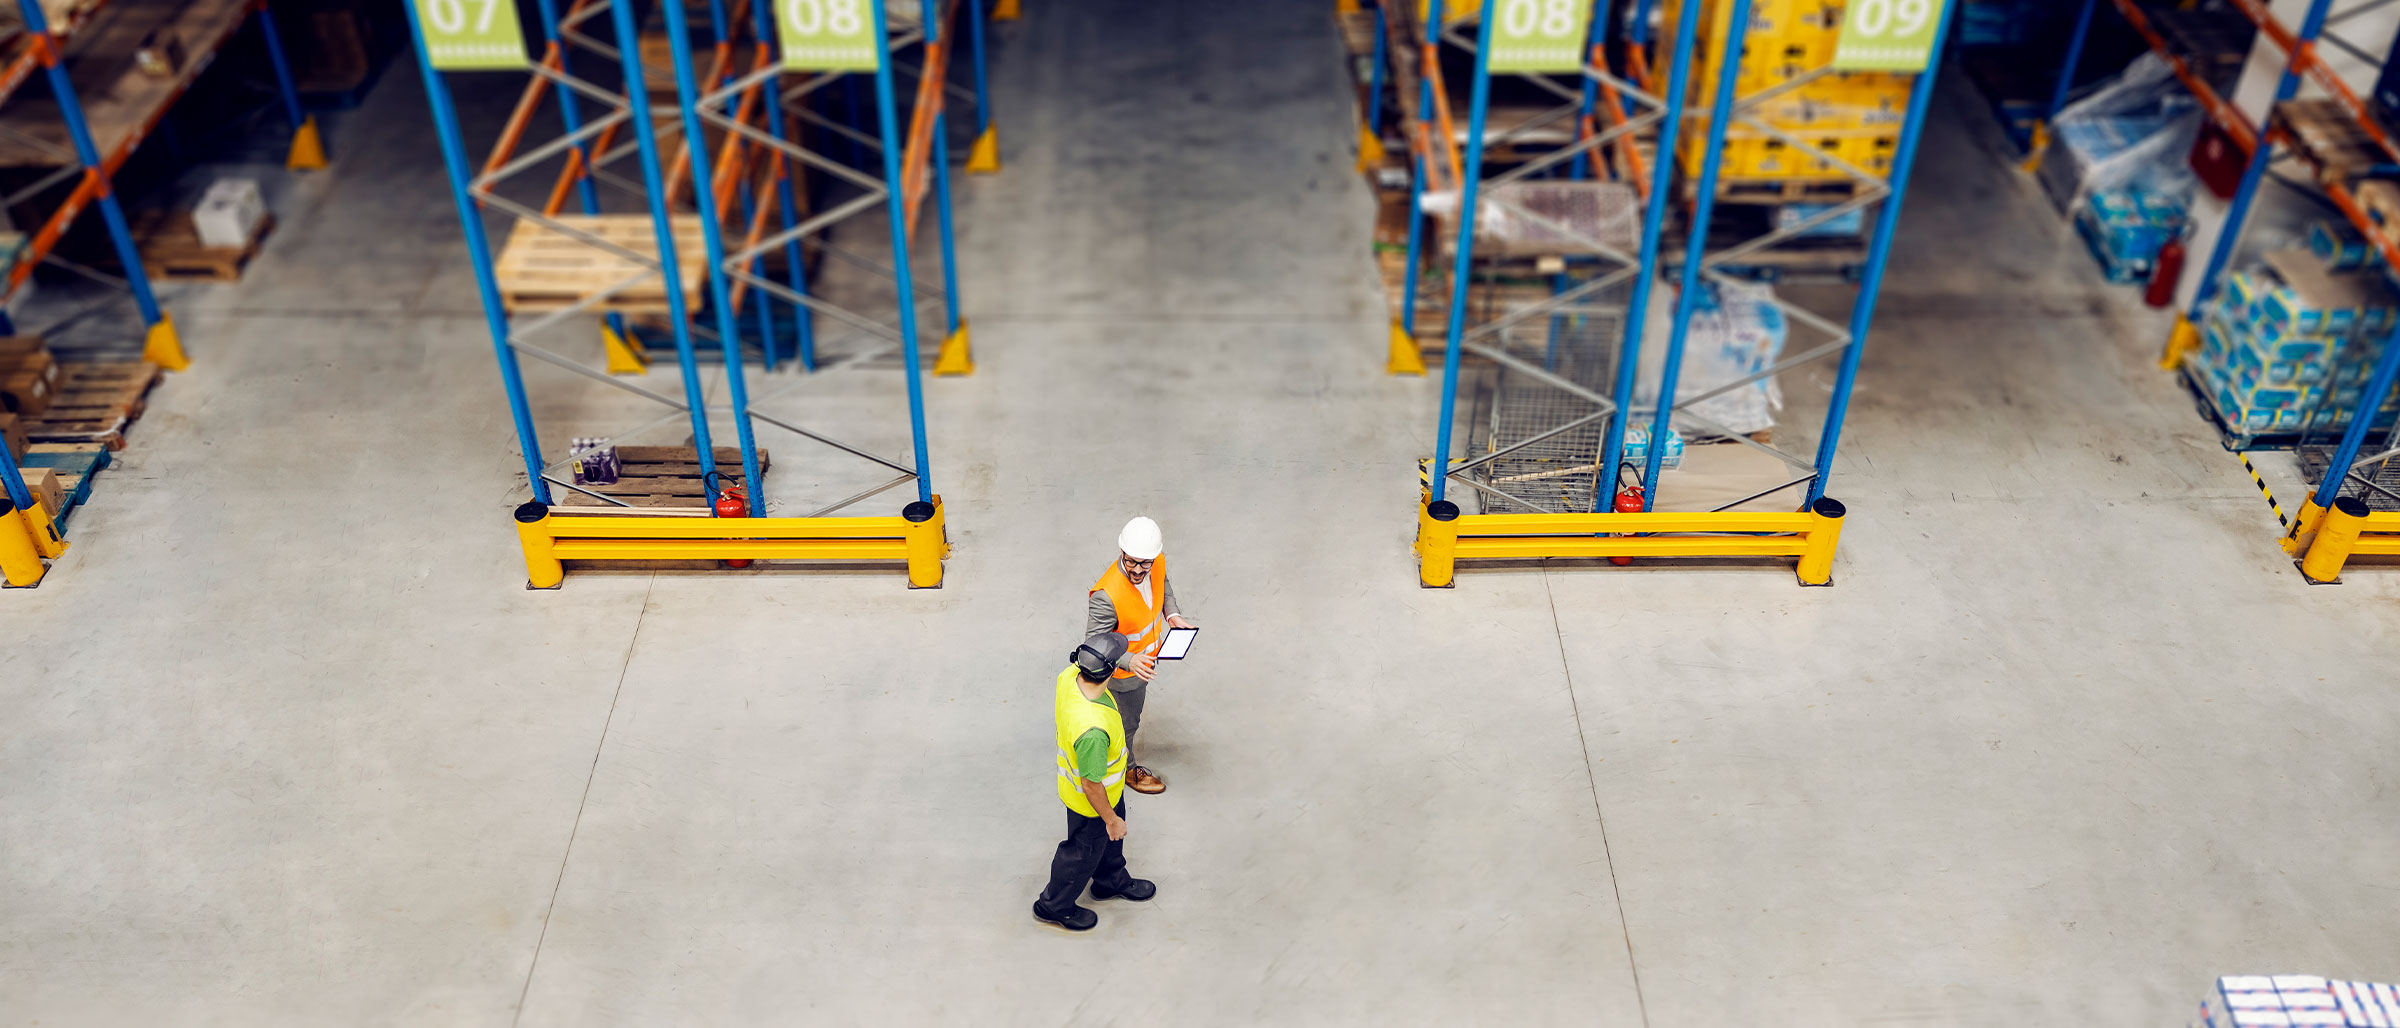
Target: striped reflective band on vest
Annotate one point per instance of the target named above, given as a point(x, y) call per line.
point(1139, 618)
point(1068, 758)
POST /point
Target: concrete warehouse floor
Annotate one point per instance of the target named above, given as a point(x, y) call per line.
point(287, 743)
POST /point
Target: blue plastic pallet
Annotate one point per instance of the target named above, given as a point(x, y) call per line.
point(80, 461)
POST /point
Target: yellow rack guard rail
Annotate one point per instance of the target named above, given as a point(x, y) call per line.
point(916, 536)
point(1445, 537)
point(2345, 530)
point(27, 538)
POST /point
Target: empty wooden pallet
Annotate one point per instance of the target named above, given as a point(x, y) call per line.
point(95, 401)
point(544, 269)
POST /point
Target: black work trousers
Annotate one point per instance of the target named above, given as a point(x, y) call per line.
point(1088, 855)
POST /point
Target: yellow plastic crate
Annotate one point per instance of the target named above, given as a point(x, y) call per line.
point(1856, 115)
point(1751, 154)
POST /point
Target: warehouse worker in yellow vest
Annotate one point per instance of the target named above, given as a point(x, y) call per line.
point(1132, 598)
point(1091, 782)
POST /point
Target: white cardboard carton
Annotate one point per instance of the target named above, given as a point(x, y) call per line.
point(229, 212)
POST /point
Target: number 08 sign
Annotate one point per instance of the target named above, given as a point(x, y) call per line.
point(1887, 35)
point(827, 35)
point(1537, 35)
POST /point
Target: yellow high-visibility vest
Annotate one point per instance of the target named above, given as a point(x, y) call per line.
point(1077, 715)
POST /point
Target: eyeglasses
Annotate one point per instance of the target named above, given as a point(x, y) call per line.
point(1132, 563)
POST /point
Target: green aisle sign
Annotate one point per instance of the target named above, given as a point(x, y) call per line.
point(827, 35)
point(1887, 35)
point(472, 35)
point(1537, 35)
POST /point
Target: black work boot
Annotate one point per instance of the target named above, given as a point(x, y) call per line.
point(1075, 918)
point(1135, 889)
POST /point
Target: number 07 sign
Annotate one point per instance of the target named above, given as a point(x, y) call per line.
point(471, 35)
point(827, 35)
point(1887, 35)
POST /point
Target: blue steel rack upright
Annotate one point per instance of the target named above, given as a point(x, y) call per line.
point(700, 277)
point(1811, 531)
point(29, 533)
point(2337, 521)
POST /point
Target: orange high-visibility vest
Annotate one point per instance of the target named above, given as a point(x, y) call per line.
point(1141, 619)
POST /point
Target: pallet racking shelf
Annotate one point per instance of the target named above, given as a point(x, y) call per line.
point(1558, 373)
point(738, 212)
point(2337, 520)
point(85, 143)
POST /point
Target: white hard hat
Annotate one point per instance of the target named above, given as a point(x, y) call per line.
point(1140, 540)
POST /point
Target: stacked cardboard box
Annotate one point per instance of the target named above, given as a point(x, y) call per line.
point(29, 380)
point(2298, 1001)
point(2273, 338)
point(2340, 248)
point(2125, 227)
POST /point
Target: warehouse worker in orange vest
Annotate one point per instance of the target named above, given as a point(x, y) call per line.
point(1091, 782)
point(1132, 598)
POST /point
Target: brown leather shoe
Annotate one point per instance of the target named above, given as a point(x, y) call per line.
point(1144, 782)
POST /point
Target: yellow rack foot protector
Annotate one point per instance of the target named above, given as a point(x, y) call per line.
point(956, 357)
point(984, 157)
point(163, 347)
point(1824, 536)
point(624, 358)
point(2035, 147)
point(2303, 528)
point(2336, 536)
point(1404, 358)
point(308, 147)
point(2184, 338)
point(27, 536)
point(1437, 544)
point(543, 570)
point(1370, 150)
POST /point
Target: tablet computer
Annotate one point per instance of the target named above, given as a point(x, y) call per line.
point(1179, 642)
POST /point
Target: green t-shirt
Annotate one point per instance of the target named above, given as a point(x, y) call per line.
point(1091, 748)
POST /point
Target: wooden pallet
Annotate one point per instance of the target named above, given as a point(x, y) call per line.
point(1782, 190)
point(658, 63)
point(75, 464)
point(1358, 31)
point(96, 400)
point(121, 103)
point(543, 269)
point(2325, 129)
point(663, 476)
point(172, 251)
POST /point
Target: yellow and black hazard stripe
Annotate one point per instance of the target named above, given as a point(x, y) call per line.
point(2261, 483)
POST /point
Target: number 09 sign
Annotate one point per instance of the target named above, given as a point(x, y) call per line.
point(471, 35)
point(1887, 35)
point(827, 35)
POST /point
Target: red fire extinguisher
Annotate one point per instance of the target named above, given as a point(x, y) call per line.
point(1629, 501)
point(731, 503)
point(2164, 273)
